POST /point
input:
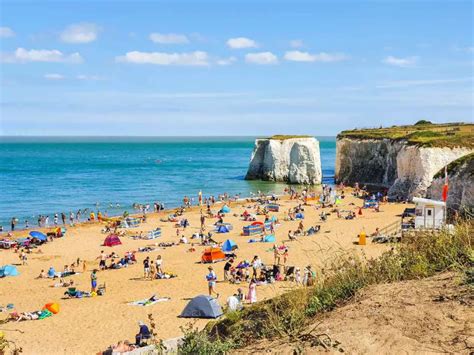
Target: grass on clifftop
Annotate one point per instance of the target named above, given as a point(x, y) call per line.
point(288, 316)
point(282, 137)
point(422, 134)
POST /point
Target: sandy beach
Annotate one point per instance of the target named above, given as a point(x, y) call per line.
point(89, 325)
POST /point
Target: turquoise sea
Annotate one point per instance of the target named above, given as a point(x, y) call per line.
point(51, 175)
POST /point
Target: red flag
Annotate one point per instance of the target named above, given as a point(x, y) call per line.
point(445, 187)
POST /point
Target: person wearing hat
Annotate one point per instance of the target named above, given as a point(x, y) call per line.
point(143, 333)
point(211, 281)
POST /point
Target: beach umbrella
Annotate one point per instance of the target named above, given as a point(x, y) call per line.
point(38, 235)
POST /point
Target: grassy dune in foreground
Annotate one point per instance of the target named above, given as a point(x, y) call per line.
point(289, 315)
point(425, 134)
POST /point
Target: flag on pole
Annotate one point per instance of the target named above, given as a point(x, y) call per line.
point(445, 187)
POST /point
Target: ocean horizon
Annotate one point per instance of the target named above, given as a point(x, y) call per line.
point(44, 175)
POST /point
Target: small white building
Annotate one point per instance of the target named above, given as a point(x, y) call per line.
point(429, 213)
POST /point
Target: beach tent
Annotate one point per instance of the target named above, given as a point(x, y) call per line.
point(225, 209)
point(273, 207)
point(222, 229)
point(39, 236)
point(8, 270)
point(253, 229)
point(229, 245)
point(299, 216)
point(228, 225)
point(269, 238)
point(112, 240)
point(212, 255)
point(156, 233)
point(202, 307)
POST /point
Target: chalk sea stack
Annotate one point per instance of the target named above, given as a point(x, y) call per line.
point(403, 159)
point(291, 159)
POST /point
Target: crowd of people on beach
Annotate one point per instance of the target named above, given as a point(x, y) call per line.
point(253, 272)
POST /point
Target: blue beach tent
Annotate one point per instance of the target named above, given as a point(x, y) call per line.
point(299, 216)
point(222, 229)
point(202, 307)
point(229, 245)
point(8, 270)
point(38, 235)
point(269, 238)
point(225, 209)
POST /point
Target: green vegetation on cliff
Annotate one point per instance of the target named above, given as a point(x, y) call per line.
point(282, 137)
point(423, 133)
point(455, 164)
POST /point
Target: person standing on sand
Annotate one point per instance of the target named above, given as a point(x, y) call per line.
point(227, 267)
point(256, 264)
point(94, 280)
point(276, 255)
point(103, 258)
point(211, 281)
point(252, 295)
point(159, 263)
point(146, 268)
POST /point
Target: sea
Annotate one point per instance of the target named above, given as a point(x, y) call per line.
point(48, 175)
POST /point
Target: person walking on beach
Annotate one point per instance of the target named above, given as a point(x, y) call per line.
point(56, 219)
point(94, 280)
point(211, 281)
point(63, 218)
point(13, 224)
point(276, 255)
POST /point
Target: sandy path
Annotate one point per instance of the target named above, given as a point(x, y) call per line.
point(85, 326)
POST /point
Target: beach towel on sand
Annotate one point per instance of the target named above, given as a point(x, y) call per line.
point(149, 301)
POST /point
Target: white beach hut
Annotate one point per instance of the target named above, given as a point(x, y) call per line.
point(429, 213)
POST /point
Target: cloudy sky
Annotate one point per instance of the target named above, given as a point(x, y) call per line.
point(232, 67)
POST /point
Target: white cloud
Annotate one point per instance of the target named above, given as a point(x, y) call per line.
point(296, 43)
point(54, 76)
point(261, 58)
point(241, 42)
point(22, 55)
point(298, 56)
point(168, 38)
point(80, 33)
point(226, 61)
point(89, 77)
point(197, 58)
point(400, 62)
point(6, 32)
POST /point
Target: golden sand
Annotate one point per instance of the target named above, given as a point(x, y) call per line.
point(89, 325)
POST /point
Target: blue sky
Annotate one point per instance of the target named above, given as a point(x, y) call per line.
point(232, 67)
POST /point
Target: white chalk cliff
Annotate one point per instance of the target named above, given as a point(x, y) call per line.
point(405, 170)
point(460, 182)
point(292, 160)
